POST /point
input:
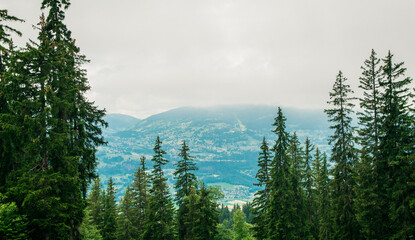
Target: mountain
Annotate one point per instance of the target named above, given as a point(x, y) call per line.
point(119, 122)
point(224, 140)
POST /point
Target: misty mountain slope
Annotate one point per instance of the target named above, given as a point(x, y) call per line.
point(224, 140)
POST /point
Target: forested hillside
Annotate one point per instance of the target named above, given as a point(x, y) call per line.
point(223, 139)
point(359, 186)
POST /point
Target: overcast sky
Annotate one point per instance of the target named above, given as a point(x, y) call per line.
point(148, 56)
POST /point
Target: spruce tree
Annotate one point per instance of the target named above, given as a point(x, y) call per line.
point(185, 181)
point(262, 196)
point(311, 227)
point(343, 155)
point(126, 229)
point(323, 196)
point(371, 200)
point(297, 155)
point(109, 224)
point(206, 213)
point(282, 220)
point(159, 223)
point(96, 203)
point(140, 194)
point(396, 147)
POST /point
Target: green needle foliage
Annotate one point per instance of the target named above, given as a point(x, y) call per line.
point(160, 222)
point(282, 219)
point(343, 155)
point(262, 197)
point(185, 182)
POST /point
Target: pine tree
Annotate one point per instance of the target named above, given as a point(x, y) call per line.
point(109, 227)
point(185, 181)
point(262, 197)
point(140, 188)
point(343, 155)
point(159, 223)
point(282, 220)
point(396, 148)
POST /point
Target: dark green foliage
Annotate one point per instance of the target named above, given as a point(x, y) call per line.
point(282, 219)
point(139, 192)
point(159, 223)
point(371, 204)
point(206, 211)
point(109, 222)
point(126, 229)
point(311, 222)
point(262, 197)
point(96, 203)
point(343, 155)
point(396, 148)
point(51, 130)
point(322, 187)
point(185, 182)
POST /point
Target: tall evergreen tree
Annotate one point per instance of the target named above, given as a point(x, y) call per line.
point(371, 204)
point(96, 203)
point(159, 223)
point(309, 191)
point(397, 147)
point(109, 227)
point(126, 229)
point(283, 222)
point(206, 213)
point(262, 196)
point(140, 188)
point(55, 158)
point(185, 181)
point(343, 155)
point(323, 196)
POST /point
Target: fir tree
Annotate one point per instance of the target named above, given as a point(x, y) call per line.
point(159, 223)
point(109, 227)
point(283, 223)
point(96, 203)
point(309, 191)
point(343, 155)
point(323, 198)
point(207, 214)
point(397, 148)
point(89, 230)
point(127, 230)
point(140, 188)
point(371, 204)
point(262, 197)
point(185, 181)
point(241, 227)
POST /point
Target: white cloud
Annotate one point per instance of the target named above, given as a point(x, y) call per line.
point(148, 56)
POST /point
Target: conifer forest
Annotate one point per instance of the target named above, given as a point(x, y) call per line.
point(363, 188)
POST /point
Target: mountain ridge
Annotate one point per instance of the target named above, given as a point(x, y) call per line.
point(225, 141)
